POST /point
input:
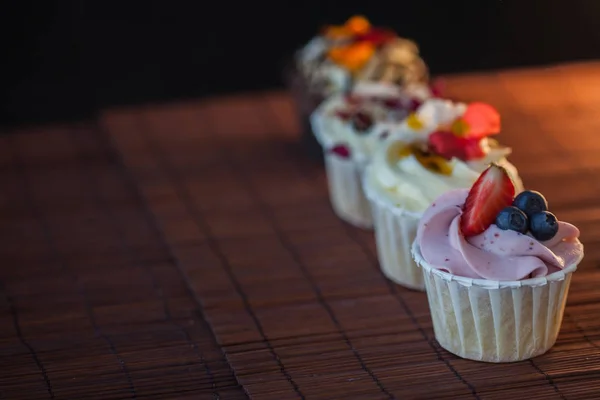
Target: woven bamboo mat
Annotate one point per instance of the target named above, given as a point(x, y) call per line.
point(93, 303)
point(121, 237)
point(295, 297)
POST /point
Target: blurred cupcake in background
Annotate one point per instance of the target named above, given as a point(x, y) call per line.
point(340, 56)
point(443, 145)
point(397, 62)
point(347, 126)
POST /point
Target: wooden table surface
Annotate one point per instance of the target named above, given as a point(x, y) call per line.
point(188, 251)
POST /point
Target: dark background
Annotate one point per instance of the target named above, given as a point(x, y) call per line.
point(64, 60)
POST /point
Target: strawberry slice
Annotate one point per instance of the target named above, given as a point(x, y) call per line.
point(492, 191)
point(448, 145)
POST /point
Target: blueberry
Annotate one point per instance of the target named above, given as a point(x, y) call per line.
point(512, 218)
point(543, 225)
point(530, 202)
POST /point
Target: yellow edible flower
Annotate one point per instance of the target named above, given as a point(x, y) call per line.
point(460, 127)
point(432, 162)
point(414, 122)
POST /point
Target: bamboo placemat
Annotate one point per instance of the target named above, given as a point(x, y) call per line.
point(93, 303)
point(295, 297)
point(120, 238)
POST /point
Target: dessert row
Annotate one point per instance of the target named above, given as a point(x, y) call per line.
point(450, 213)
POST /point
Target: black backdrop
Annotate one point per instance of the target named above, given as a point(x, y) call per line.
point(66, 59)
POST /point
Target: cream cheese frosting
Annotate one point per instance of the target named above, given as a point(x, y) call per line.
point(425, 120)
point(356, 51)
point(404, 182)
point(495, 254)
point(333, 125)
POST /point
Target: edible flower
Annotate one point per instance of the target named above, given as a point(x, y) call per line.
point(482, 120)
point(434, 113)
point(359, 40)
point(430, 161)
point(414, 122)
point(356, 25)
point(462, 137)
point(352, 56)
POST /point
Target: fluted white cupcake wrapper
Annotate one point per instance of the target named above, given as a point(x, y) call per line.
point(495, 321)
point(348, 200)
point(395, 230)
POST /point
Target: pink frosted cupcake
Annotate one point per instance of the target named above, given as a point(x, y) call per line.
point(497, 269)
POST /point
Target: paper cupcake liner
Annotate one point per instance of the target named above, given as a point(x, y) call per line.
point(348, 200)
point(495, 321)
point(395, 230)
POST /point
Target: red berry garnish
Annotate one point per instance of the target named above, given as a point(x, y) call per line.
point(448, 145)
point(362, 121)
point(492, 192)
point(341, 150)
point(415, 104)
point(376, 36)
point(393, 103)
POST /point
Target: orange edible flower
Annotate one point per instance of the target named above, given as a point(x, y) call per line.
point(357, 25)
point(360, 41)
point(353, 56)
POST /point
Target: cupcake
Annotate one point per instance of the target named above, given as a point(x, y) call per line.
point(442, 146)
point(497, 269)
point(345, 126)
point(342, 55)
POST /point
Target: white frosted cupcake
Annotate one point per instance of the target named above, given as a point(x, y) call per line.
point(358, 51)
point(497, 269)
point(346, 127)
point(440, 147)
point(341, 56)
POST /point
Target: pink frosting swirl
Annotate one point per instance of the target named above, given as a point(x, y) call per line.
point(495, 254)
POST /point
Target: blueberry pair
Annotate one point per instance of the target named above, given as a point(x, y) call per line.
point(529, 212)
